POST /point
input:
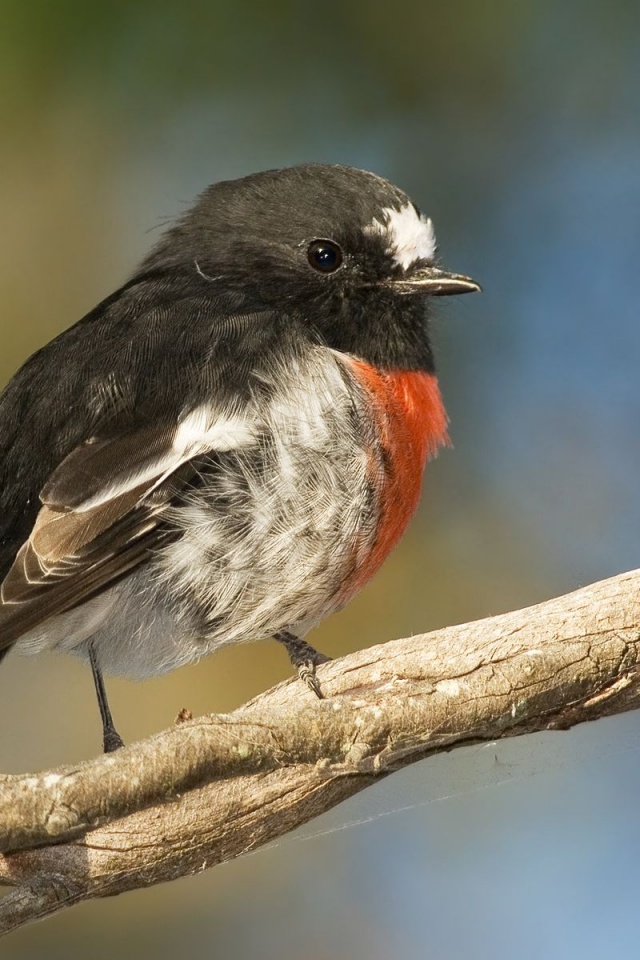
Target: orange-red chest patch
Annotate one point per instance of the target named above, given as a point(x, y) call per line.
point(412, 425)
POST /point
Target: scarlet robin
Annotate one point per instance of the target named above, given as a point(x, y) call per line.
point(227, 447)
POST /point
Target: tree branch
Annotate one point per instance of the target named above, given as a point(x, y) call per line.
point(212, 788)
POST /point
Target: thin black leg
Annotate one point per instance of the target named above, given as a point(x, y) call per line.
point(304, 658)
point(111, 739)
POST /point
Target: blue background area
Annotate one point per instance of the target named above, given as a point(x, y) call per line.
point(516, 127)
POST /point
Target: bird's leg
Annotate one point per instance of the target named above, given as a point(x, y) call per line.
point(111, 739)
point(304, 658)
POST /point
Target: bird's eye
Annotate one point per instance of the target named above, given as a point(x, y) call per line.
point(324, 255)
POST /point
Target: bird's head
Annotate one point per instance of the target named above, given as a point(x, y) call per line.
point(342, 249)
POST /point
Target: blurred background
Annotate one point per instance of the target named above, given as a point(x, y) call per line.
point(516, 127)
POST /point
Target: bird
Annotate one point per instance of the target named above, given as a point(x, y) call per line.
point(228, 446)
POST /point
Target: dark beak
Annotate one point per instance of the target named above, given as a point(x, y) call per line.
point(435, 283)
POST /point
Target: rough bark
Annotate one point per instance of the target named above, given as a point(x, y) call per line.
point(212, 788)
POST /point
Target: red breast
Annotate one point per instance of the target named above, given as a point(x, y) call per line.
point(412, 424)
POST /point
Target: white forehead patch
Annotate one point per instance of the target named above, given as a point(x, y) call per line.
point(409, 235)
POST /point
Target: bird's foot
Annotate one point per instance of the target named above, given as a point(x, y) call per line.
point(111, 740)
point(305, 659)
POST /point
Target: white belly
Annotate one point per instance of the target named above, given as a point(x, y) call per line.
point(265, 543)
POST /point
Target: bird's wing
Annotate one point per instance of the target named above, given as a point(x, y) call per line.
point(102, 514)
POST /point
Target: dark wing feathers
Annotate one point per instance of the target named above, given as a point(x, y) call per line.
point(100, 469)
point(158, 346)
point(74, 554)
point(89, 462)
